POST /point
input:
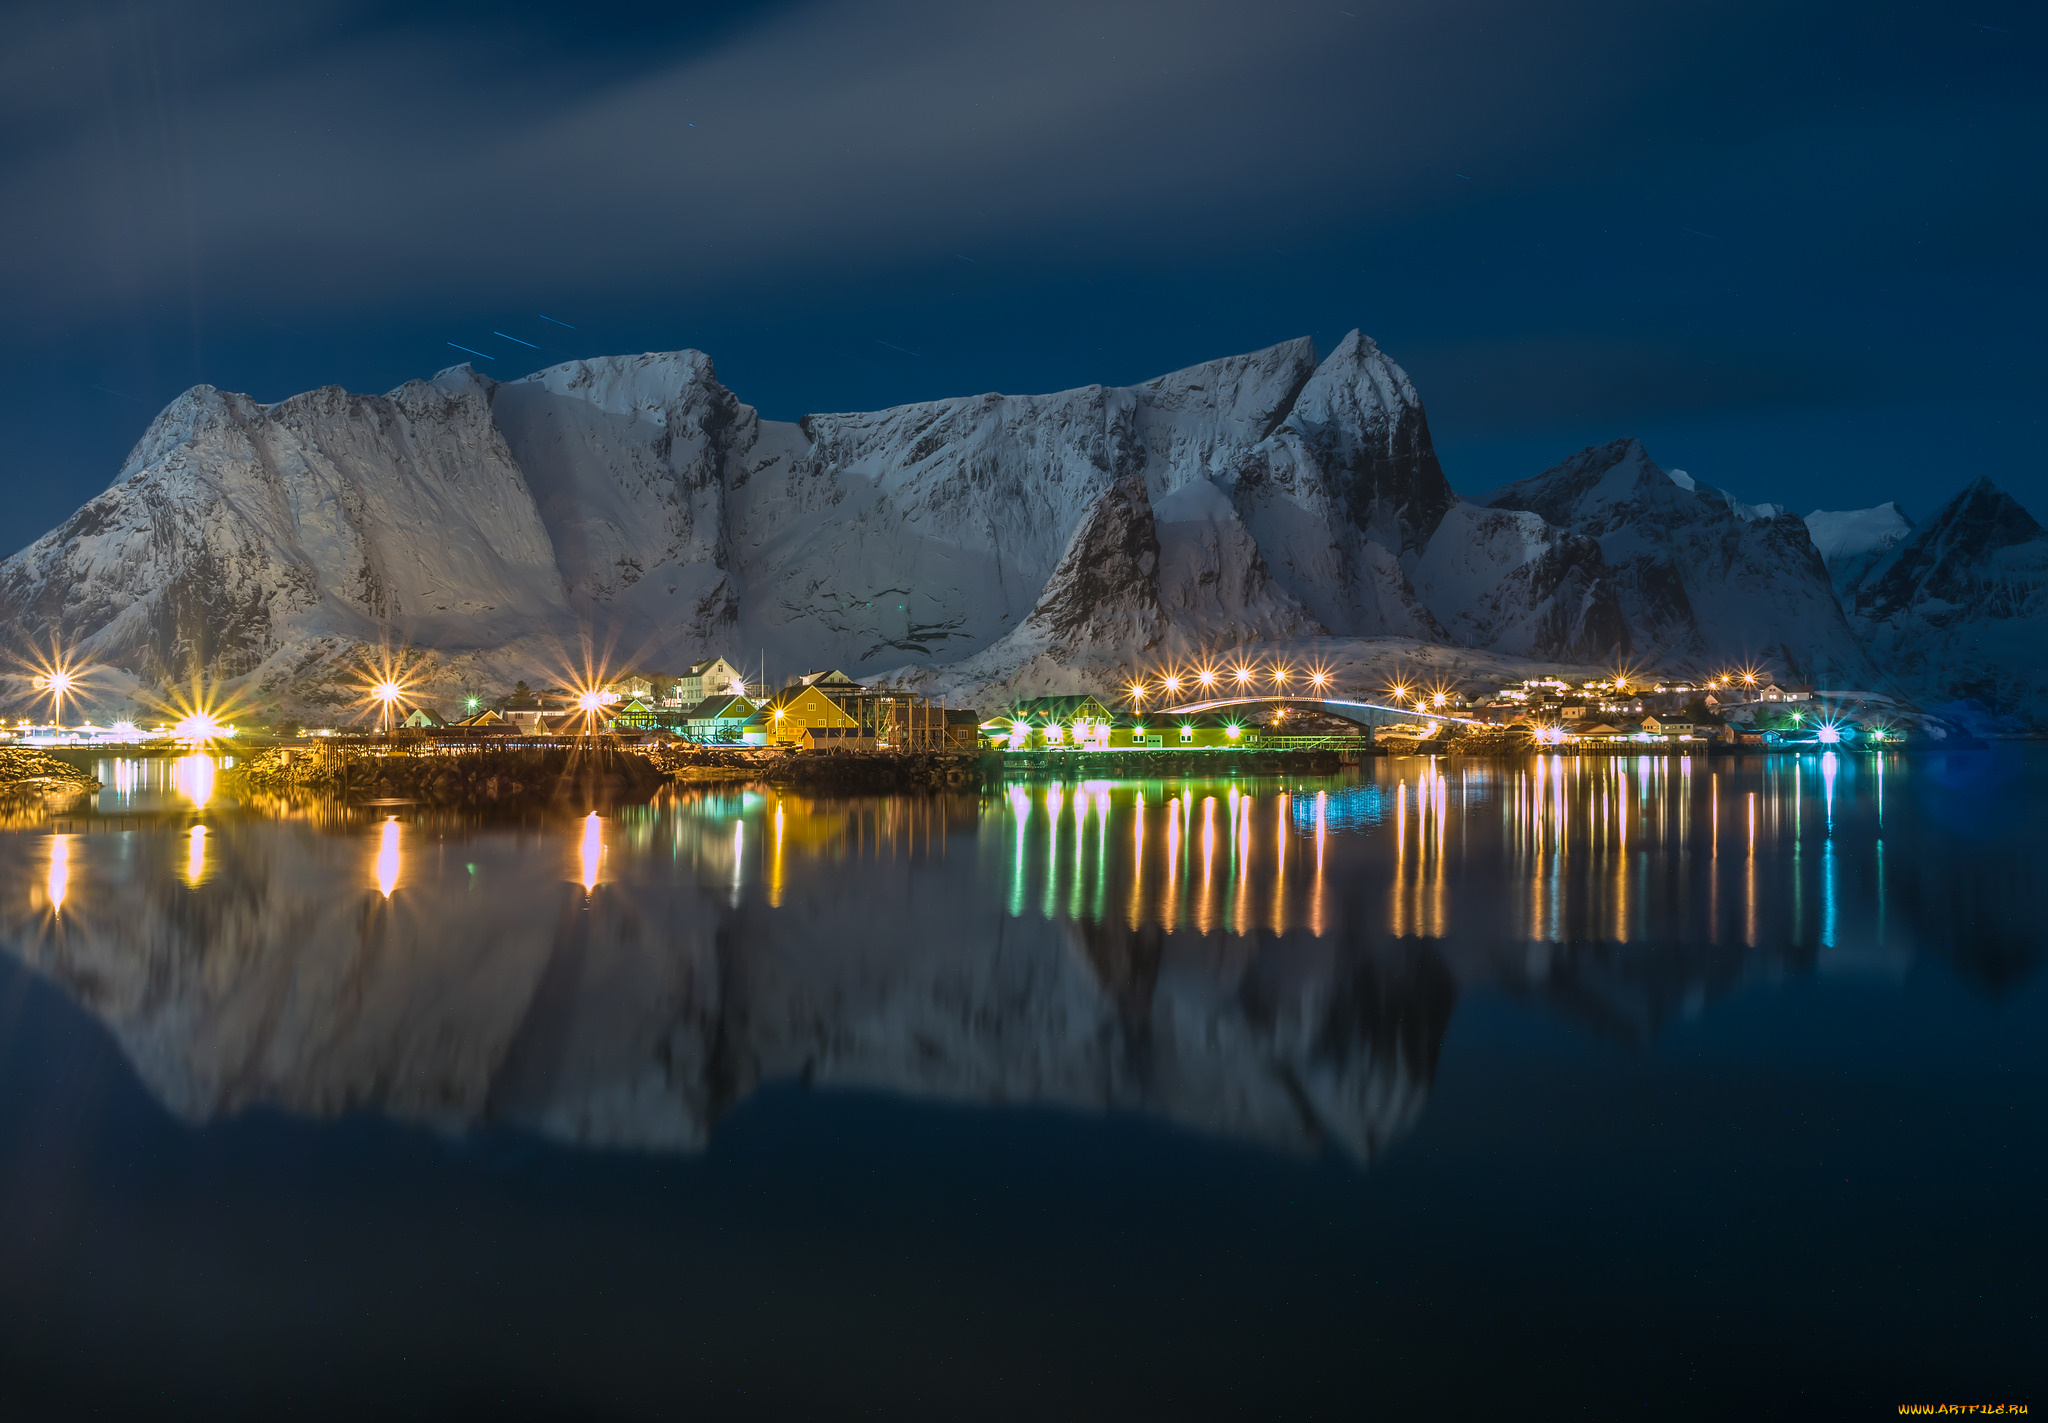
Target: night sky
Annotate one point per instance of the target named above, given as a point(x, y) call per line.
point(1795, 247)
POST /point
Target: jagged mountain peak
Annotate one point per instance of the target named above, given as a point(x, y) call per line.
point(1698, 578)
point(1959, 610)
point(1987, 515)
point(1966, 544)
point(1599, 475)
point(1358, 423)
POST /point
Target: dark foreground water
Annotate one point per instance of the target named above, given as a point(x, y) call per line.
point(1560, 1088)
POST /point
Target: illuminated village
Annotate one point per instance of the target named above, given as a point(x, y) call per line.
point(1218, 705)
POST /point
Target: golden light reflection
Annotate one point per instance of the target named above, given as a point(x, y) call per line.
point(592, 849)
point(775, 880)
point(195, 856)
point(59, 881)
point(195, 778)
point(387, 856)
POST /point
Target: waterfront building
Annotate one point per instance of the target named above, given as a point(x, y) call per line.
point(836, 738)
point(1669, 727)
point(421, 718)
point(802, 708)
point(721, 718)
point(644, 714)
point(711, 677)
point(1036, 723)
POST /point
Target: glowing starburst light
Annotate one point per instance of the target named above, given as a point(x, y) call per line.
point(1242, 675)
point(54, 677)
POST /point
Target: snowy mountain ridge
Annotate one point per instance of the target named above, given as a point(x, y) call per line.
point(990, 543)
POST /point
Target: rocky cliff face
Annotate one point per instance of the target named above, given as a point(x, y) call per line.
point(1959, 610)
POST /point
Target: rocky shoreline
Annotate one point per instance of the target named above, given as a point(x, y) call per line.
point(599, 772)
point(24, 770)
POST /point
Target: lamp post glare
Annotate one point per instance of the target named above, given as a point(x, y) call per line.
point(387, 693)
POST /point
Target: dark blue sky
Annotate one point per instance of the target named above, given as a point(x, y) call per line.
point(1795, 247)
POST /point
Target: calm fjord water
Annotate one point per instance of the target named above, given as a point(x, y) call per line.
point(1558, 1087)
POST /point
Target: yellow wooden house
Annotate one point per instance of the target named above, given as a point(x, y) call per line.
point(794, 712)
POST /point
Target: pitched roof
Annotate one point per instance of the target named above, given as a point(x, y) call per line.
point(726, 706)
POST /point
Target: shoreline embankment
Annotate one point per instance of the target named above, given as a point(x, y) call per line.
point(24, 770)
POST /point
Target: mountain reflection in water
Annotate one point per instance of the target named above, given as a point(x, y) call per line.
point(1276, 961)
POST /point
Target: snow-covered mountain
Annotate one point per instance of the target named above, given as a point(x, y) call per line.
point(1959, 610)
point(1690, 576)
point(635, 505)
point(1851, 541)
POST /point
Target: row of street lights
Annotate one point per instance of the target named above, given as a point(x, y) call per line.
point(1212, 680)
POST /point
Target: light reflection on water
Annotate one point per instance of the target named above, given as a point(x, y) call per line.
point(1556, 850)
point(1264, 924)
point(1707, 1014)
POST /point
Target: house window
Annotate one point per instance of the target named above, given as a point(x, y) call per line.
point(1187, 733)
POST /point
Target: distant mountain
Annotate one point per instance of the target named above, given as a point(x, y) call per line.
point(1959, 610)
point(987, 543)
point(1676, 572)
point(1851, 541)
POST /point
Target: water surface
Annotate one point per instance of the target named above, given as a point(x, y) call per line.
point(1558, 1086)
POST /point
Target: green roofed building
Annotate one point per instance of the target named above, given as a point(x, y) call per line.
point(721, 718)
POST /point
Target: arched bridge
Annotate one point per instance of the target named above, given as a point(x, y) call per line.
point(1364, 713)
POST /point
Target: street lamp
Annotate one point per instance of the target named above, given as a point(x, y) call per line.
point(387, 693)
point(55, 684)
